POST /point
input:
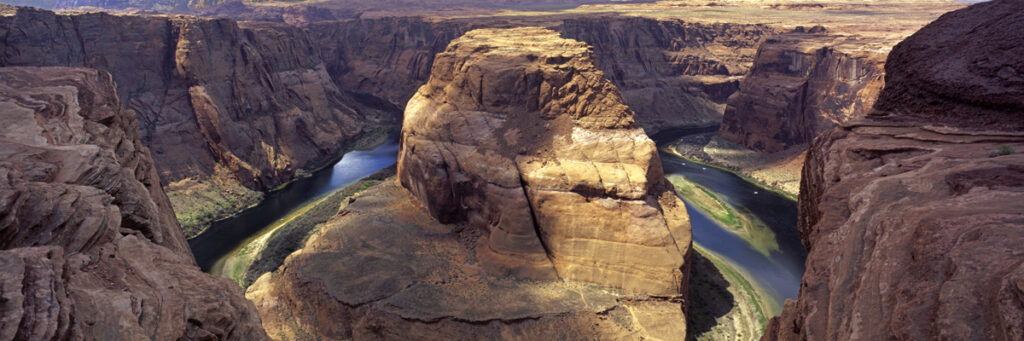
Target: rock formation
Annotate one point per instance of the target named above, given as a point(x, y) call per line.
point(520, 166)
point(913, 216)
point(802, 84)
point(160, 5)
point(519, 134)
point(253, 99)
point(90, 246)
point(384, 269)
point(672, 73)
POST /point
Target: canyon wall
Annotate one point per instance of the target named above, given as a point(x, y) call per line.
point(672, 73)
point(252, 100)
point(520, 167)
point(802, 84)
point(89, 246)
point(913, 216)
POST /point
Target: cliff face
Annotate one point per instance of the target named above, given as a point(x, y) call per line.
point(801, 84)
point(389, 57)
point(671, 73)
point(90, 246)
point(255, 99)
point(519, 134)
point(160, 5)
point(913, 216)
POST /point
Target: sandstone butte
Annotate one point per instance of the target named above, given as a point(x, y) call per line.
point(913, 216)
point(518, 133)
point(90, 246)
point(523, 180)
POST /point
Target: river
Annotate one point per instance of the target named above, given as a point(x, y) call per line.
point(778, 272)
point(228, 234)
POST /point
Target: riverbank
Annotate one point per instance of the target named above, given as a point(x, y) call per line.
point(722, 303)
point(199, 203)
point(740, 222)
point(267, 249)
point(777, 172)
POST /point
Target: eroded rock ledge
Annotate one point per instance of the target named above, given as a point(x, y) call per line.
point(519, 134)
point(90, 246)
point(914, 216)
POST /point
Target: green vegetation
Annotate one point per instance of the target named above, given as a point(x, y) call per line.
point(751, 294)
point(706, 201)
point(734, 171)
point(1003, 150)
point(739, 221)
point(197, 203)
point(268, 249)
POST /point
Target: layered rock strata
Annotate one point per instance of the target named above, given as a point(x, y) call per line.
point(519, 134)
point(253, 99)
point(913, 216)
point(671, 72)
point(802, 84)
point(90, 246)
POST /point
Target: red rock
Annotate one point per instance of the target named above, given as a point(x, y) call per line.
point(913, 216)
point(801, 85)
point(520, 135)
point(90, 246)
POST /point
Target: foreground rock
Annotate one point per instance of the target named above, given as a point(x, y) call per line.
point(383, 268)
point(913, 217)
point(520, 135)
point(90, 245)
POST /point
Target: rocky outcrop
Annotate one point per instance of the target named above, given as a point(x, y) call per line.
point(802, 84)
point(254, 99)
point(90, 246)
point(384, 269)
point(672, 73)
point(520, 135)
point(913, 216)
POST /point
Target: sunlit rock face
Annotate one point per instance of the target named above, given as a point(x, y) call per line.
point(914, 216)
point(89, 246)
point(802, 84)
point(519, 134)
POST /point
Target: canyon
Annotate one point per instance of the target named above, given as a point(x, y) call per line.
point(527, 200)
point(91, 248)
point(221, 139)
point(491, 159)
point(913, 215)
